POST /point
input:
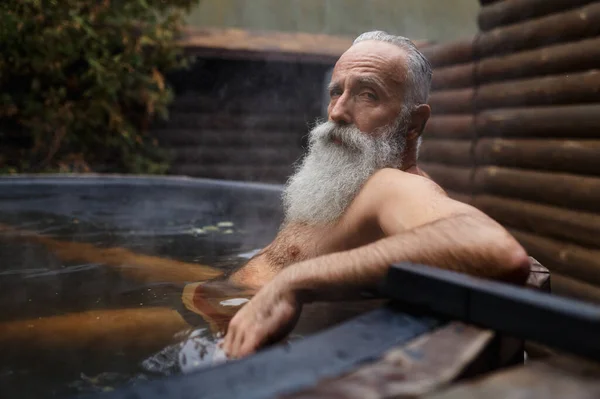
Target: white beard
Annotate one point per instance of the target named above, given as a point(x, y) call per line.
point(332, 174)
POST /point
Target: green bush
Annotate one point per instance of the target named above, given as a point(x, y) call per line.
point(81, 81)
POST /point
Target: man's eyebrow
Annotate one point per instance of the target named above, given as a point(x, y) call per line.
point(371, 81)
point(333, 86)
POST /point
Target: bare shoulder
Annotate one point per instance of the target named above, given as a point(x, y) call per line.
point(408, 200)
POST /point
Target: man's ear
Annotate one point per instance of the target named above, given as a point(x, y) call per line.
point(419, 118)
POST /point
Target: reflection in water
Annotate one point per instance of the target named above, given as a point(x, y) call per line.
point(79, 316)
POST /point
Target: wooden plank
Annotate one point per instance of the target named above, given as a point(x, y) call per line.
point(233, 43)
point(552, 90)
point(453, 178)
point(568, 156)
point(552, 378)
point(570, 121)
point(561, 58)
point(191, 118)
point(236, 155)
point(453, 77)
point(567, 26)
point(428, 362)
point(451, 152)
point(576, 289)
point(174, 138)
point(450, 127)
point(562, 257)
point(456, 52)
point(560, 189)
point(459, 101)
point(582, 228)
point(509, 12)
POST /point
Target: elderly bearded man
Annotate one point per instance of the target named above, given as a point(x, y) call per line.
point(359, 202)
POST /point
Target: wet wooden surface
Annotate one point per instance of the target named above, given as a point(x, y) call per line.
point(559, 377)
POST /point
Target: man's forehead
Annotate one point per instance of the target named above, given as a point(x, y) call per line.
point(373, 57)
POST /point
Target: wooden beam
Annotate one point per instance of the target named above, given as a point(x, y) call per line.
point(572, 88)
point(509, 12)
point(456, 52)
point(233, 43)
point(564, 258)
point(555, 28)
point(568, 156)
point(453, 178)
point(453, 77)
point(451, 152)
point(555, 378)
point(458, 101)
point(560, 189)
point(582, 228)
point(570, 121)
point(576, 289)
point(450, 127)
point(561, 58)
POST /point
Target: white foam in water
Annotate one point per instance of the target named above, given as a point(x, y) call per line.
point(234, 302)
point(250, 254)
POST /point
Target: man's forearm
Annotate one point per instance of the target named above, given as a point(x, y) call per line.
point(462, 243)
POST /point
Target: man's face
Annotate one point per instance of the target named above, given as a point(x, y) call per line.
point(367, 86)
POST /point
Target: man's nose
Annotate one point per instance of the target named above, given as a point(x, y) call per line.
point(340, 110)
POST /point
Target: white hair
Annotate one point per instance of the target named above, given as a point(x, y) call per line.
point(419, 72)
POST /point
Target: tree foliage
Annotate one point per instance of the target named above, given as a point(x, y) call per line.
point(81, 80)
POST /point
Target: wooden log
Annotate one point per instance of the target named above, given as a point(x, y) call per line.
point(571, 121)
point(509, 12)
point(552, 90)
point(568, 156)
point(458, 101)
point(450, 127)
point(453, 77)
point(555, 378)
point(582, 228)
point(198, 118)
point(174, 138)
point(451, 152)
point(576, 289)
point(236, 155)
point(560, 189)
point(561, 58)
point(457, 52)
point(567, 26)
point(452, 178)
point(562, 257)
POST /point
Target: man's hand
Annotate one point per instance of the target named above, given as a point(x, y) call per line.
point(268, 317)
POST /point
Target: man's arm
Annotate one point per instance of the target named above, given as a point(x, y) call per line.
point(465, 243)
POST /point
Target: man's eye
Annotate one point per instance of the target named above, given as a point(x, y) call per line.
point(369, 95)
point(335, 93)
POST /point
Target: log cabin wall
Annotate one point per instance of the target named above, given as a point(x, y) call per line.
point(535, 126)
point(241, 119)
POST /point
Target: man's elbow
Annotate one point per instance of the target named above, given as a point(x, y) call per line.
point(513, 261)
